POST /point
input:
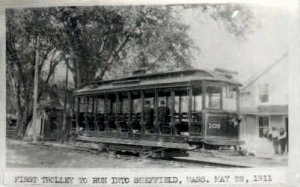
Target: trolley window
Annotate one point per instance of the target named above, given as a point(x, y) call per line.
point(213, 97)
point(197, 100)
point(85, 104)
point(100, 105)
point(124, 102)
point(229, 98)
point(136, 102)
point(181, 100)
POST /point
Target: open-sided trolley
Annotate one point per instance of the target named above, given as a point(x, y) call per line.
point(203, 110)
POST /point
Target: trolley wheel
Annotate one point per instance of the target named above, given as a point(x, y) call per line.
point(145, 153)
point(101, 147)
point(212, 147)
point(112, 153)
point(107, 149)
point(206, 146)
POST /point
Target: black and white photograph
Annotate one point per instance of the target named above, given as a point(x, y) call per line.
point(133, 84)
point(202, 85)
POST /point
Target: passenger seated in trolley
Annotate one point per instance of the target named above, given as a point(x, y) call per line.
point(149, 115)
point(164, 117)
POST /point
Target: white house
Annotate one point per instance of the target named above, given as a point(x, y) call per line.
point(264, 101)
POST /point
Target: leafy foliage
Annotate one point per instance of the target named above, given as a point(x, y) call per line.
point(238, 19)
point(99, 43)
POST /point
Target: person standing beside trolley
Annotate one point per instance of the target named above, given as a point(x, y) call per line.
point(275, 136)
point(282, 140)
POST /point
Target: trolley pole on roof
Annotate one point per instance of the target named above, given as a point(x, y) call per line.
point(35, 91)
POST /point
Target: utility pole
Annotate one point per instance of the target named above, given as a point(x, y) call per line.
point(35, 91)
point(65, 115)
point(37, 33)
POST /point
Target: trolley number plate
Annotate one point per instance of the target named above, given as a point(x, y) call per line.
point(214, 126)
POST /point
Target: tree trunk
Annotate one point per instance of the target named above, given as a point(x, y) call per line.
point(78, 76)
point(65, 113)
point(19, 130)
point(24, 116)
point(27, 118)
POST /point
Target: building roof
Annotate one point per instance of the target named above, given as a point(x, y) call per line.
point(152, 80)
point(273, 109)
point(268, 110)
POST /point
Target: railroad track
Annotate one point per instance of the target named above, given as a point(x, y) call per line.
point(189, 160)
point(208, 163)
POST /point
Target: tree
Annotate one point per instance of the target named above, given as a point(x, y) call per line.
point(101, 42)
point(238, 19)
point(23, 27)
point(105, 40)
point(162, 42)
point(99, 38)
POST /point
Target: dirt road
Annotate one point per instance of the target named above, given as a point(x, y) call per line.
point(21, 154)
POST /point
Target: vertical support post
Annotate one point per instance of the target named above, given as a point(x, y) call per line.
point(120, 111)
point(142, 121)
point(173, 111)
point(93, 104)
point(117, 120)
point(257, 123)
point(77, 113)
point(221, 96)
point(42, 129)
point(86, 113)
point(95, 108)
point(105, 113)
point(130, 104)
point(111, 107)
point(35, 90)
point(204, 127)
point(209, 100)
point(179, 108)
point(190, 91)
point(238, 110)
point(129, 112)
point(73, 112)
point(157, 129)
point(203, 94)
point(194, 104)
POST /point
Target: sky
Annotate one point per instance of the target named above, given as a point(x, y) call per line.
point(267, 42)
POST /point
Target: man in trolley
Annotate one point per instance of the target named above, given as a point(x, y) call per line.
point(164, 117)
point(149, 115)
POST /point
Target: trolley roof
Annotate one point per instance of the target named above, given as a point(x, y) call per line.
point(154, 80)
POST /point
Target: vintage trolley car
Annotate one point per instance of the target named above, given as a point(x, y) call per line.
point(160, 113)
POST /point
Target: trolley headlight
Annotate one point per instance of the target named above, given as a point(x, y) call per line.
point(235, 121)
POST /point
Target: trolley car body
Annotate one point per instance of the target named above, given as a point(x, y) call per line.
point(203, 109)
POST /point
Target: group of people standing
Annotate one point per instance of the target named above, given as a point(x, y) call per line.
point(279, 138)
